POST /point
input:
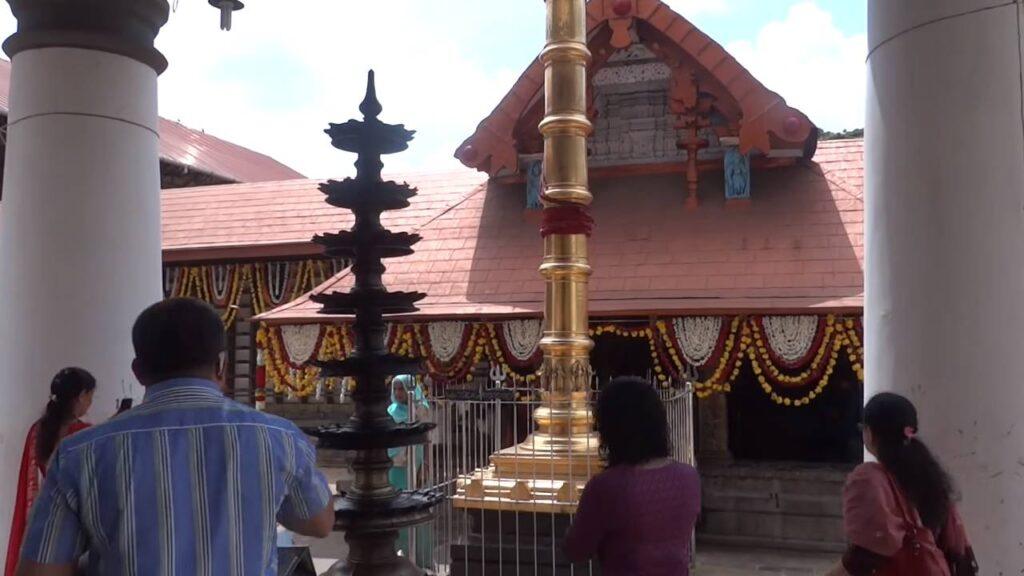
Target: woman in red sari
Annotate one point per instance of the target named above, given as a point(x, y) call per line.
point(70, 398)
point(899, 515)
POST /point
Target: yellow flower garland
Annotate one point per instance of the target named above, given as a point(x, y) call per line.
point(715, 382)
point(646, 333)
point(280, 375)
point(743, 342)
point(752, 347)
point(498, 356)
point(760, 349)
point(193, 282)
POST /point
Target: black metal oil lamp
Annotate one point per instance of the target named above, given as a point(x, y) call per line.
point(227, 7)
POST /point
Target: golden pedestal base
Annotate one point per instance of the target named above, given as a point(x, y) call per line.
point(531, 478)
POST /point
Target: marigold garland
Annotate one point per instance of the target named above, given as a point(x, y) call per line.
point(499, 353)
point(763, 360)
point(471, 351)
point(281, 373)
point(742, 340)
point(820, 334)
point(307, 277)
point(502, 354)
point(854, 348)
point(726, 359)
point(196, 282)
point(835, 336)
point(661, 372)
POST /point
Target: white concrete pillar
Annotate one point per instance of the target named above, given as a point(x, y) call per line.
point(80, 213)
point(944, 306)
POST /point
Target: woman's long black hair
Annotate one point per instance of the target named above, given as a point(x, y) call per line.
point(65, 388)
point(632, 423)
point(892, 420)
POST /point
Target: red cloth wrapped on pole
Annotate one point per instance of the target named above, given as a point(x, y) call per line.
point(567, 219)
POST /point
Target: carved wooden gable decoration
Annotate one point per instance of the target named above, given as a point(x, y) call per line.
point(659, 90)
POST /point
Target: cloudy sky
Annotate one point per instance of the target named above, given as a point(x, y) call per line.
point(288, 68)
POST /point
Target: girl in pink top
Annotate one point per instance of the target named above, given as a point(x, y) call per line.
point(899, 515)
point(637, 517)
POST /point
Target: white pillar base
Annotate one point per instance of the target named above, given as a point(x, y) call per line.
point(945, 247)
point(79, 234)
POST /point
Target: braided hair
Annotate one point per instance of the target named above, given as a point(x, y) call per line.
point(65, 389)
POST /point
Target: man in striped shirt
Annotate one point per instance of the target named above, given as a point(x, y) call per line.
point(188, 483)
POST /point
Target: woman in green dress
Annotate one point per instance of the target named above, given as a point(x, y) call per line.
point(409, 404)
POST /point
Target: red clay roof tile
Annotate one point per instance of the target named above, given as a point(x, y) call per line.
point(798, 247)
point(254, 216)
point(193, 148)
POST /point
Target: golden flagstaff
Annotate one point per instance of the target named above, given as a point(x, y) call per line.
point(547, 472)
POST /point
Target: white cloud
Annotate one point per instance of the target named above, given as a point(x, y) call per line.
point(282, 73)
point(693, 8)
point(812, 64)
point(276, 80)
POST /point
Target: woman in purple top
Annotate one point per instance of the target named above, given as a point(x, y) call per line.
point(637, 516)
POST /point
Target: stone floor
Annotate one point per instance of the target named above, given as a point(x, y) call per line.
point(715, 561)
point(711, 561)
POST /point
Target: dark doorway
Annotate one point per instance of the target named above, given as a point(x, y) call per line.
point(615, 355)
point(824, 431)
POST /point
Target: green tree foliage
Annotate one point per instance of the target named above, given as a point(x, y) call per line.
point(844, 135)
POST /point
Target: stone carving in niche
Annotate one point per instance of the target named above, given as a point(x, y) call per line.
point(635, 52)
point(634, 123)
point(632, 74)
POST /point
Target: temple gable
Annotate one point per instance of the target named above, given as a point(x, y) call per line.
point(659, 89)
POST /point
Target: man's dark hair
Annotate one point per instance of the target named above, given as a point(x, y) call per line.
point(177, 336)
point(632, 422)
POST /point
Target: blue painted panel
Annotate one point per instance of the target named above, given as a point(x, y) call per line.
point(737, 175)
point(534, 184)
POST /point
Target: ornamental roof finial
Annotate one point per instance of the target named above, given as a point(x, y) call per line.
point(370, 106)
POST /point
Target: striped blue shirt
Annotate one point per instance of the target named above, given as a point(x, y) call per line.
point(188, 483)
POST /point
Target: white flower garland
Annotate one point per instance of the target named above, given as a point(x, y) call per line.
point(220, 282)
point(300, 342)
point(170, 281)
point(522, 337)
point(445, 338)
point(337, 265)
point(790, 337)
point(277, 280)
point(698, 337)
